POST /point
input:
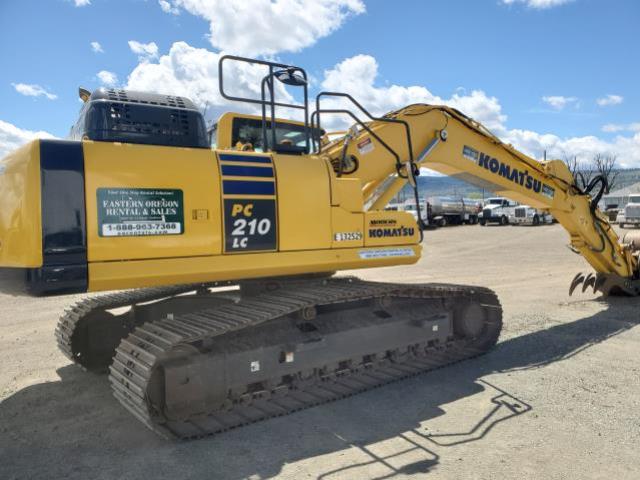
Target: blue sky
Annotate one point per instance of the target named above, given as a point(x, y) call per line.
point(538, 67)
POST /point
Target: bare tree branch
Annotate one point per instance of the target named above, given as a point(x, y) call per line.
point(572, 164)
point(605, 165)
point(582, 172)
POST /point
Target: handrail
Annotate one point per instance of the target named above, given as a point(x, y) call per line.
point(271, 65)
point(366, 112)
point(316, 129)
point(271, 102)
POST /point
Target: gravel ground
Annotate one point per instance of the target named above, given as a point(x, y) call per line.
point(557, 399)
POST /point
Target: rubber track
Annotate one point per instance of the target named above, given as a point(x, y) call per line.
point(73, 316)
point(144, 349)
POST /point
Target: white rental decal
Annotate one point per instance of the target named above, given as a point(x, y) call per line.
point(137, 212)
point(386, 253)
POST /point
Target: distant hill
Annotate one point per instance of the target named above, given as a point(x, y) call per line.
point(443, 186)
point(446, 186)
point(627, 178)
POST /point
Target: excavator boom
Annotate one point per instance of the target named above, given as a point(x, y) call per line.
point(451, 143)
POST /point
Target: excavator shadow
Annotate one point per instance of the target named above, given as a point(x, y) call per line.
point(73, 428)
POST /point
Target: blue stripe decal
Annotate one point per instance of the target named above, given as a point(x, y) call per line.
point(239, 187)
point(241, 171)
point(244, 158)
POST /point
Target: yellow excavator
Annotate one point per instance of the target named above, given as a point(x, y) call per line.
point(226, 310)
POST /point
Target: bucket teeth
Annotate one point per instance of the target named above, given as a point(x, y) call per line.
point(577, 280)
point(607, 284)
point(590, 281)
point(600, 280)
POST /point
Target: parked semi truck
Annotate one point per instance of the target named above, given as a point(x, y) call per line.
point(452, 211)
point(526, 215)
point(497, 210)
point(630, 214)
point(445, 210)
point(410, 207)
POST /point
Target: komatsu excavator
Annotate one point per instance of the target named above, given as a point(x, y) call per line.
point(227, 310)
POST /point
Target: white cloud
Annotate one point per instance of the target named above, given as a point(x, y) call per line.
point(193, 72)
point(610, 100)
point(96, 47)
point(613, 127)
point(12, 137)
point(82, 3)
point(145, 51)
point(627, 149)
point(558, 101)
point(168, 8)
point(107, 78)
point(33, 90)
point(537, 4)
point(356, 76)
point(267, 27)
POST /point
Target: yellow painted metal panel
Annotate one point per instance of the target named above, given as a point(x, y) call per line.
point(20, 212)
point(333, 184)
point(350, 194)
point(194, 171)
point(304, 205)
point(248, 163)
point(348, 228)
point(146, 273)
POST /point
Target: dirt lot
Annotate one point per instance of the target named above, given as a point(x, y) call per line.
point(559, 398)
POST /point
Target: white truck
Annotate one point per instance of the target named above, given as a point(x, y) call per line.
point(630, 214)
point(497, 210)
point(410, 207)
point(452, 211)
point(526, 215)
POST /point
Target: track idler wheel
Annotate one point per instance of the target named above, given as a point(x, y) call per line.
point(470, 322)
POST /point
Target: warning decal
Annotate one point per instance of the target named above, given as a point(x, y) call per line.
point(365, 146)
point(126, 212)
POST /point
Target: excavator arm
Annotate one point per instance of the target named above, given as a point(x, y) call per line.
point(388, 152)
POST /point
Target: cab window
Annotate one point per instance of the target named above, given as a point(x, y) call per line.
point(213, 136)
point(248, 132)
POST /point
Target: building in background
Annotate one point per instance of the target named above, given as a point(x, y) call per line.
point(619, 198)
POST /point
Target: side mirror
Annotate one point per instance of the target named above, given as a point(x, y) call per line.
point(289, 76)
